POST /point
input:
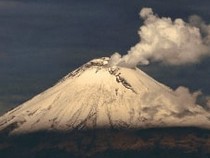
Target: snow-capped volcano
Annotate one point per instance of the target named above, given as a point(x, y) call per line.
point(97, 95)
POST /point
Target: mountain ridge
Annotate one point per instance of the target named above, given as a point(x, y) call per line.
point(97, 95)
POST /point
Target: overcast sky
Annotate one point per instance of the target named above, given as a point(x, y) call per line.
point(42, 40)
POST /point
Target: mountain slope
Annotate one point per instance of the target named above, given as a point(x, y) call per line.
point(97, 95)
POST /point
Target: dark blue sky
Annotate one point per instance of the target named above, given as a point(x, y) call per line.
point(42, 40)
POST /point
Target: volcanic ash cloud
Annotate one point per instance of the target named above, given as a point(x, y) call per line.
point(167, 41)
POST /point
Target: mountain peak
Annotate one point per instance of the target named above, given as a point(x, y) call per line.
point(96, 96)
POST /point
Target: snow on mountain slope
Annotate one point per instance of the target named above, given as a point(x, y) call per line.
point(96, 95)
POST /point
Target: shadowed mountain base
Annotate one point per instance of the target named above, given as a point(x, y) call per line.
point(148, 143)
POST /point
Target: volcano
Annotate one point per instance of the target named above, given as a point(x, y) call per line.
point(103, 109)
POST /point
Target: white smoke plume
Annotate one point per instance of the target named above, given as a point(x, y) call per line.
point(167, 41)
point(204, 28)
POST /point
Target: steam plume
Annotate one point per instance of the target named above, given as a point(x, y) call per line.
point(168, 41)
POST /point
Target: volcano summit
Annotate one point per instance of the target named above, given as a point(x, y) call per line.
point(99, 96)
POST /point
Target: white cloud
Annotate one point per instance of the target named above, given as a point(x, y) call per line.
point(186, 97)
